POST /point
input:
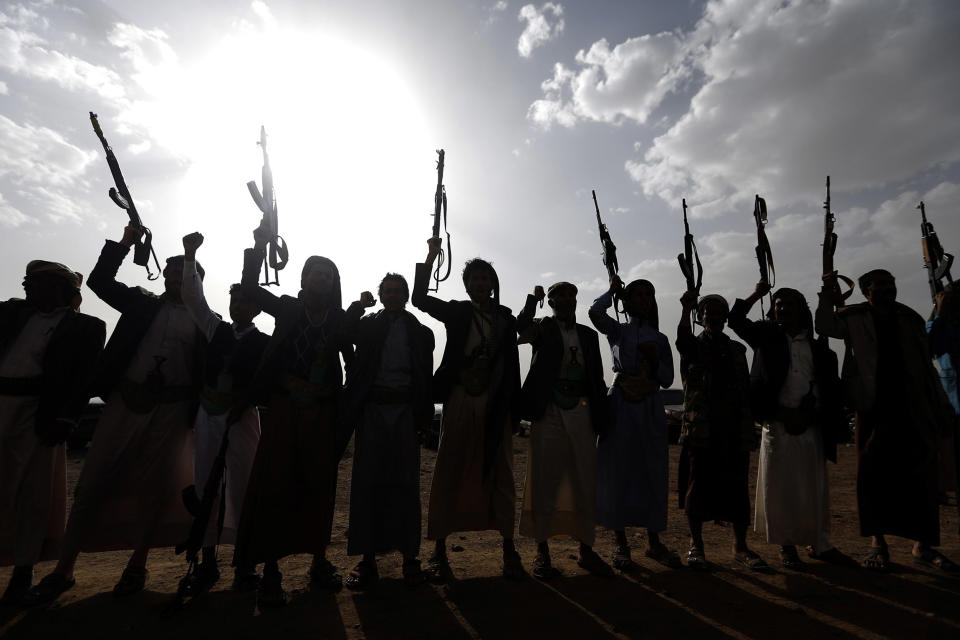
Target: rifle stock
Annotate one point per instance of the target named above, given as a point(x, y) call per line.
point(830, 247)
point(609, 255)
point(690, 257)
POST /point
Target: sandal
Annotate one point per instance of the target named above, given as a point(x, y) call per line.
point(438, 569)
point(876, 559)
point(48, 589)
point(750, 560)
point(413, 575)
point(543, 569)
point(593, 563)
point(663, 555)
point(270, 593)
point(697, 559)
point(364, 575)
point(622, 560)
point(132, 581)
point(790, 559)
point(323, 576)
point(933, 559)
point(513, 566)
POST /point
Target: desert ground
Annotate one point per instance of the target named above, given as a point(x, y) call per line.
point(652, 602)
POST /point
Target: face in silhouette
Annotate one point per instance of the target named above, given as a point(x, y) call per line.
point(479, 284)
point(786, 310)
point(393, 296)
point(318, 281)
point(564, 303)
point(714, 316)
point(173, 278)
point(882, 291)
point(46, 291)
point(642, 299)
point(242, 310)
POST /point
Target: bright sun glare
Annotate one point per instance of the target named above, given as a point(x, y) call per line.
point(351, 154)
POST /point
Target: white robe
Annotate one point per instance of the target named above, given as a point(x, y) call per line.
point(792, 505)
point(33, 484)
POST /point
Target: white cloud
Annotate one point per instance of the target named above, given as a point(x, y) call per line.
point(40, 166)
point(543, 24)
point(153, 60)
point(10, 216)
point(787, 91)
point(4, 90)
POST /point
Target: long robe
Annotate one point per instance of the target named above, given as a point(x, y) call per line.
point(33, 483)
point(632, 459)
point(128, 493)
point(462, 498)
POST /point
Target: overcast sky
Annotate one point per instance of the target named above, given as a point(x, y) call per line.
point(535, 104)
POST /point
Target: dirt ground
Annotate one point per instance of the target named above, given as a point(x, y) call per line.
point(653, 602)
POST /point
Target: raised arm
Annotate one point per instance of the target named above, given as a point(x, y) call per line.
point(686, 342)
point(252, 259)
point(750, 331)
point(826, 320)
point(191, 291)
point(527, 327)
point(103, 277)
point(351, 317)
point(598, 312)
point(941, 335)
point(438, 309)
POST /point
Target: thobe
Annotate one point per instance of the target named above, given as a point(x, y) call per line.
point(792, 504)
point(33, 483)
point(632, 460)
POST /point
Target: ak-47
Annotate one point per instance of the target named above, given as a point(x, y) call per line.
point(277, 253)
point(201, 508)
point(690, 257)
point(142, 249)
point(830, 247)
point(768, 273)
point(440, 210)
point(935, 259)
point(609, 252)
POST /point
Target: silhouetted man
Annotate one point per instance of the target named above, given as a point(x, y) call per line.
point(141, 456)
point(564, 398)
point(944, 332)
point(717, 430)
point(901, 412)
point(233, 351)
point(478, 382)
point(796, 395)
point(47, 356)
point(389, 400)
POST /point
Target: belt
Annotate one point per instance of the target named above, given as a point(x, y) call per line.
point(303, 390)
point(635, 388)
point(20, 386)
point(572, 388)
point(216, 402)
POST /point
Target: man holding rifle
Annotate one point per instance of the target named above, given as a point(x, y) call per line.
point(478, 381)
point(901, 411)
point(233, 351)
point(141, 456)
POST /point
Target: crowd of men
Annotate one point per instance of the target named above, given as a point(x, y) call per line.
point(182, 386)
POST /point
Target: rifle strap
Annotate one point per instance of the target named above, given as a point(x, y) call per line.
point(847, 281)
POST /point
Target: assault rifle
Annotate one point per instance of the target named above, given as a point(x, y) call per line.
point(935, 259)
point(142, 249)
point(690, 257)
point(440, 210)
point(201, 508)
point(277, 253)
point(830, 246)
point(768, 273)
point(609, 253)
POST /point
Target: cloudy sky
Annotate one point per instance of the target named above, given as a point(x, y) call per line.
point(536, 104)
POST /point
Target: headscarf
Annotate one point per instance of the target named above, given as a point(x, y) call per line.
point(653, 319)
point(335, 295)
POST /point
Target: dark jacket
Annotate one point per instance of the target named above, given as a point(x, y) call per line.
point(287, 313)
point(548, 352)
point(770, 364)
point(503, 401)
point(369, 334)
point(69, 360)
point(239, 357)
point(138, 307)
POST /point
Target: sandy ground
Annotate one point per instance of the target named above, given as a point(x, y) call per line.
point(652, 602)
